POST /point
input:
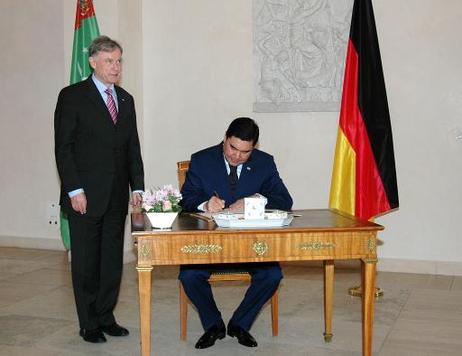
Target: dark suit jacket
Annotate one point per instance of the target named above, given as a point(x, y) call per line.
point(94, 154)
point(207, 173)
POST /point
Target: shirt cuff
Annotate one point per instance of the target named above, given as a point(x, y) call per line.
point(75, 192)
point(201, 207)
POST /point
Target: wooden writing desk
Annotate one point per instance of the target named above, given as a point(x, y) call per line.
point(316, 235)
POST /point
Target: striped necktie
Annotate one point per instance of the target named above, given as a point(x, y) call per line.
point(111, 105)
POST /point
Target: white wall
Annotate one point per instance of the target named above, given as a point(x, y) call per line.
point(37, 47)
point(189, 65)
point(422, 56)
point(31, 73)
point(197, 78)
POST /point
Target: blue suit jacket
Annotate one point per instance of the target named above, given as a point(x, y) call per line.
point(207, 174)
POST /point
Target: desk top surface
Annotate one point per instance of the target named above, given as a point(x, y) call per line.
point(312, 219)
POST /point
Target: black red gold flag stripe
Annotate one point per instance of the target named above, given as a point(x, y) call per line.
point(364, 174)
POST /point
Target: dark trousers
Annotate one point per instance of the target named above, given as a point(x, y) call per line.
point(97, 262)
point(265, 280)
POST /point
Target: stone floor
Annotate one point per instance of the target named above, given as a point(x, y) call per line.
point(418, 315)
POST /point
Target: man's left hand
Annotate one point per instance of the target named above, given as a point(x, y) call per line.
point(136, 199)
point(237, 206)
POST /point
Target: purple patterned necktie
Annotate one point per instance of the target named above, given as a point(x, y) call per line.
point(111, 105)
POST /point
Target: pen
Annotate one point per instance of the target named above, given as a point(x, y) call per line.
point(201, 217)
point(215, 194)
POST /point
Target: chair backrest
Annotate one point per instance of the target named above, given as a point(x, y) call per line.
point(183, 167)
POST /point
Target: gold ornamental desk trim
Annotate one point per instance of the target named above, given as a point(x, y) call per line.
point(145, 249)
point(201, 249)
point(171, 249)
point(372, 243)
point(260, 247)
point(316, 245)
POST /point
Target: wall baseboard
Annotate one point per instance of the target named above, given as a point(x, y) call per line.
point(39, 243)
point(418, 266)
point(384, 264)
point(399, 265)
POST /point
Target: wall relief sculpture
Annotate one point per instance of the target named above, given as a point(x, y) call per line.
point(299, 51)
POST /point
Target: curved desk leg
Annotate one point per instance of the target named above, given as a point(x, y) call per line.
point(328, 298)
point(368, 272)
point(144, 287)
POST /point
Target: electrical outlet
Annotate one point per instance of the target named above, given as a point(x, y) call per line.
point(53, 214)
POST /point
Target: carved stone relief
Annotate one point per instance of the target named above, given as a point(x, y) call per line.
point(299, 51)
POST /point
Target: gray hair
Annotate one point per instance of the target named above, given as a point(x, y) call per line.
point(103, 44)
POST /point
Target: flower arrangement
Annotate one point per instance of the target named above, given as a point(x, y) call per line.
point(161, 200)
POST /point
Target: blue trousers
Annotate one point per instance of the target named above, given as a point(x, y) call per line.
point(265, 281)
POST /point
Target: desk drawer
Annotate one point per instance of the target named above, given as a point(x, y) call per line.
point(243, 247)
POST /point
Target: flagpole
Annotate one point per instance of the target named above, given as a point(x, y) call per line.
point(85, 30)
point(364, 175)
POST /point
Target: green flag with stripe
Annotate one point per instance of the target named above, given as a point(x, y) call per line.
point(86, 30)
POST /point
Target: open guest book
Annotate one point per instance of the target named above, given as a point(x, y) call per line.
point(271, 218)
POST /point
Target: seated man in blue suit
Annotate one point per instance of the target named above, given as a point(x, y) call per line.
point(221, 177)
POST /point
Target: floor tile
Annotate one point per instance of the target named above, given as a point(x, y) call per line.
point(418, 314)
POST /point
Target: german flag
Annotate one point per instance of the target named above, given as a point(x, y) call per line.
point(364, 176)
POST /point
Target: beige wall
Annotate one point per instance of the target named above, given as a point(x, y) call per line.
point(31, 73)
point(189, 65)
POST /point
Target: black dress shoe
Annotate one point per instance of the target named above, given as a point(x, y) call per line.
point(211, 335)
point(243, 337)
point(114, 330)
point(95, 336)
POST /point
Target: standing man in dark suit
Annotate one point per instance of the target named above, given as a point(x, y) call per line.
point(221, 177)
point(98, 158)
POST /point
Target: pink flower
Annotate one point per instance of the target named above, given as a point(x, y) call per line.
point(166, 205)
point(161, 199)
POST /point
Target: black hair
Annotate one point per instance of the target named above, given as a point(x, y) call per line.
point(243, 128)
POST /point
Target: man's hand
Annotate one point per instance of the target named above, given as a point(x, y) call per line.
point(215, 205)
point(137, 199)
point(237, 206)
point(79, 203)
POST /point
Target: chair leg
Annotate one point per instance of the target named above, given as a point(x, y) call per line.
point(275, 313)
point(183, 313)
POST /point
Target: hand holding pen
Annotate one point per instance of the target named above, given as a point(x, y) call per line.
point(215, 204)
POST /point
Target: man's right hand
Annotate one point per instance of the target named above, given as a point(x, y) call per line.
point(215, 205)
point(79, 203)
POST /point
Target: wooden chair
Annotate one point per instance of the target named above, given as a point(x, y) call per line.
point(219, 276)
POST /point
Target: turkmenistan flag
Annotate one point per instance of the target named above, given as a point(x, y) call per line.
point(86, 29)
point(364, 175)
